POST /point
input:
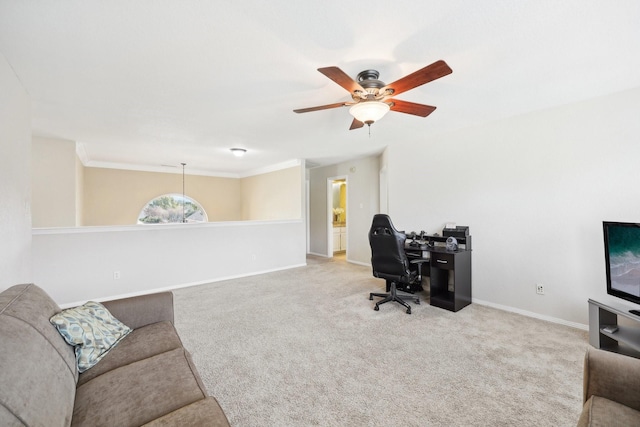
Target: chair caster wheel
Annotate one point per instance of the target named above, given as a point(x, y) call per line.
point(408, 310)
point(370, 297)
point(417, 301)
point(376, 308)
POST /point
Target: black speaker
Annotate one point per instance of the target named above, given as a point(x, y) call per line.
point(461, 231)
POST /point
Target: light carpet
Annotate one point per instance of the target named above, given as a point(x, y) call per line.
point(304, 347)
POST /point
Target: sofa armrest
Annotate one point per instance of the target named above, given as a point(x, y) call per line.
point(142, 310)
point(613, 376)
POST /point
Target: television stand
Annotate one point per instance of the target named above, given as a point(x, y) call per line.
point(614, 327)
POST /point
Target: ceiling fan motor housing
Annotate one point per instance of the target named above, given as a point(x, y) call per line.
point(368, 79)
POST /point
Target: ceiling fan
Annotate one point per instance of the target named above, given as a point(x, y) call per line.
point(372, 99)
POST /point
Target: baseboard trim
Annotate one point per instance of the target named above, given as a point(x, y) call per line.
point(256, 273)
point(183, 285)
point(531, 314)
point(317, 254)
point(359, 263)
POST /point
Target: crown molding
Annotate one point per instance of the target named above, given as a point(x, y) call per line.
point(178, 170)
point(81, 152)
point(272, 168)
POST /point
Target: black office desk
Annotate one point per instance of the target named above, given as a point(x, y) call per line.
point(449, 273)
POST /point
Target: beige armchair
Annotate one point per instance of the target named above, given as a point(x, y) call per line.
point(611, 390)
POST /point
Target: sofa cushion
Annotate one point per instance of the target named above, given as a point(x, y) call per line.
point(206, 412)
point(92, 330)
point(139, 392)
point(38, 375)
point(142, 310)
point(140, 344)
point(601, 412)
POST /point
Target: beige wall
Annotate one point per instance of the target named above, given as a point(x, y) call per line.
point(273, 195)
point(68, 194)
point(116, 197)
point(53, 182)
point(79, 192)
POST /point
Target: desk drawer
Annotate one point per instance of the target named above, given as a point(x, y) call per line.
point(441, 260)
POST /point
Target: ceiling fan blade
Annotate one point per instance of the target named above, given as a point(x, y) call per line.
point(412, 108)
point(321, 107)
point(424, 75)
point(356, 124)
point(341, 78)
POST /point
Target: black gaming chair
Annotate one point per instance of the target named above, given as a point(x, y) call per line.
point(389, 262)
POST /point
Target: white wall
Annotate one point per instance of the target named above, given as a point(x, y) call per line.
point(77, 264)
point(53, 183)
point(362, 203)
point(15, 177)
point(534, 190)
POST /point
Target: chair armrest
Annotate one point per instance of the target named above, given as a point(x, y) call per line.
point(419, 263)
point(142, 310)
point(613, 376)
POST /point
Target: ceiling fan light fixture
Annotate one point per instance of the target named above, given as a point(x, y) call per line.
point(369, 111)
point(238, 152)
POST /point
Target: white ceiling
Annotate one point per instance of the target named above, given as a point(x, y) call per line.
point(150, 82)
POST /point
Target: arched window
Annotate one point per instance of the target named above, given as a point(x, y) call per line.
point(172, 208)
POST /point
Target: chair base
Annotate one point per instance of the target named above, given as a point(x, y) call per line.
point(394, 296)
point(410, 288)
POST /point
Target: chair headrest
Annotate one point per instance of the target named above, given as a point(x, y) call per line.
point(382, 220)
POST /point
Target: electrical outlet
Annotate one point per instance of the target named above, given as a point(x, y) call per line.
point(539, 289)
point(116, 275)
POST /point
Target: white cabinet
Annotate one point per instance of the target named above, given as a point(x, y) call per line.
point(339, 239)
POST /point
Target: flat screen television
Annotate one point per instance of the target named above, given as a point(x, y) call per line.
point(622, 259)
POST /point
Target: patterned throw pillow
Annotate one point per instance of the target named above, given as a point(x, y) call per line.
point(92, 330)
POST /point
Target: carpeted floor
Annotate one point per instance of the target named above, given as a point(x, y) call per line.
point(304, 347)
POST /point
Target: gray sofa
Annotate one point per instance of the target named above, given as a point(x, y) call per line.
point(611, 390)
point(147, 379)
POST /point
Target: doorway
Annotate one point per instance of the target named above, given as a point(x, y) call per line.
point(337, 223)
